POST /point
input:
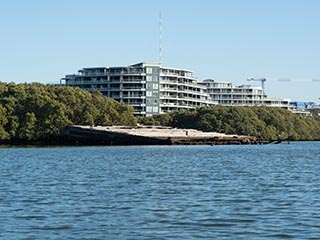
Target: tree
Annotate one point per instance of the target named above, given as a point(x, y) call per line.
point(37, 111)
point(3, 122)
point(28, 130)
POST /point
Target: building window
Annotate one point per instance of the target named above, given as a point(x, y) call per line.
point(149, 85)
point(152, 101)
point(149, 70)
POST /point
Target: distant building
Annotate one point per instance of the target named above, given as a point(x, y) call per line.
point(304, 105)
point(225, 93)
point(148, 87)
point(304, 108)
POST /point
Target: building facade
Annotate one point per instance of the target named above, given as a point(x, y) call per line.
point(148, 87)
point(152, 89)
point(225, 93)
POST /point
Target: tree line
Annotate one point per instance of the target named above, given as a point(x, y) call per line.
point(38, 111)
point(264, 122)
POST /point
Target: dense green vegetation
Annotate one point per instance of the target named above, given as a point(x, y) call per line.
point(37, 111)
point(269, 123)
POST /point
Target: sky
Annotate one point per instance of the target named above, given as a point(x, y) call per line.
point(230, 40)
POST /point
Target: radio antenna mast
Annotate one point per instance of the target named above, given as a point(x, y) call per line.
point(160, 38)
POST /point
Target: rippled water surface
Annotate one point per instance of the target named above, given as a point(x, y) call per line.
point(167, 192)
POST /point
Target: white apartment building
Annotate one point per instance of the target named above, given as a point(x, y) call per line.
point(153, 89)
point(148, 87)
point(225, 93)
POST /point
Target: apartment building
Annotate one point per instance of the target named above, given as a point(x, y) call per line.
point(225, 93)
point(153, 89)
point(148, 87)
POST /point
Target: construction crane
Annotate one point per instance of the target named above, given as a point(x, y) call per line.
point(262, 80)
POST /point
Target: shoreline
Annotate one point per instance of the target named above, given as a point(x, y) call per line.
point(46, 145)
point(139, 136)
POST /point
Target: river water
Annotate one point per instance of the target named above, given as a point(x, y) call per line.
point(161, 192)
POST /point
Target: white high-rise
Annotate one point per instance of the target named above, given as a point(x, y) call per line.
point(148, 87)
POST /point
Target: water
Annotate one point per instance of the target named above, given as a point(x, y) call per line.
point(167, 192)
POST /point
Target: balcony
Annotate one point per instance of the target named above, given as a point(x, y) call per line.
point(136, 104)
point(133, 96)
point(73, 82)
point(114, 89)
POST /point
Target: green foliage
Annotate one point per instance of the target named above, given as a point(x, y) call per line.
point(28, 129)
point(37, 111)
point(3, 122)
point(264, 122)
point(157, 120)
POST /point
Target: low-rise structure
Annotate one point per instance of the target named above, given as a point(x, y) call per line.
point(304, 105)
point(225, 93)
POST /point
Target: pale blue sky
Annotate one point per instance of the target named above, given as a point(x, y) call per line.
point(228, 40)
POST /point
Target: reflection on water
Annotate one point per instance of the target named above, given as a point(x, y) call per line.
point(168, 192)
